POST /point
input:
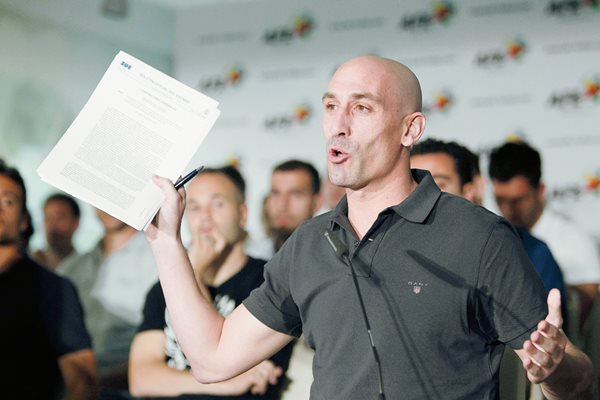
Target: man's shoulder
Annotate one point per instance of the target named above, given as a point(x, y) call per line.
point(457, 207)
point(48, 282)
point(316, 222)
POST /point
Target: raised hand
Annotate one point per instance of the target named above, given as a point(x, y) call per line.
point(167, 222)
point(205, 249)
point(545, 349)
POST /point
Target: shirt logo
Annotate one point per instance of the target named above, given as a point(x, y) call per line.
point(417, 287)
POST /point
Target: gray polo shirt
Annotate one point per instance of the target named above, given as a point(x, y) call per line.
point(445, 283)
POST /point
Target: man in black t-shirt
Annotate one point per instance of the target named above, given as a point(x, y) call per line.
point(45, 347)
point(216, 214)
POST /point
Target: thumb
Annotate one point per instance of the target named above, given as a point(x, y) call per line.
point(554, 313)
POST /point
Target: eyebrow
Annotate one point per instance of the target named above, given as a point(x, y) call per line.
point(354, 96)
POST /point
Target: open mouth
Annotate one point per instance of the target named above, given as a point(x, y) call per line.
point(337, 156)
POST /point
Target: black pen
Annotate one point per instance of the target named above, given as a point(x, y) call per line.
point(182, 181)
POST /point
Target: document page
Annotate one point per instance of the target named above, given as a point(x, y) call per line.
point(138, 122)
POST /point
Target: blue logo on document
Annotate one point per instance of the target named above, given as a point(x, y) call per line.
point(124, 64)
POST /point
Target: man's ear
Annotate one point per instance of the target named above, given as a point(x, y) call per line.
point(470, 191)
point(243, 215)
point(541, 190)
point(415, 126)
point(25, 222)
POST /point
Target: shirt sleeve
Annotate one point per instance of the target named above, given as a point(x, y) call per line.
point(511, 298)
point(63, 317)
point(154, 310)
point(272, 302)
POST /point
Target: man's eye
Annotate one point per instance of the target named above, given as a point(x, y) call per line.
point(362, 108)
point(330, 106)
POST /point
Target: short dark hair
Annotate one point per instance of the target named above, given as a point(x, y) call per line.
point(231, 173)
point(65, 198)
point(14, 175)
point(516, 159)
point(297, 165)
point(466, 162)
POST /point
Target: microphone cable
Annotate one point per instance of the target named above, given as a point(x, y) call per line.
point(341, 251)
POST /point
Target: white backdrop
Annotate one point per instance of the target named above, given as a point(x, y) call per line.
point(490, 70)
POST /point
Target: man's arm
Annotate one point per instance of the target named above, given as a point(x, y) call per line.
point(149, 375)
point(552, 360)
point(79, 374)
point(217, 349)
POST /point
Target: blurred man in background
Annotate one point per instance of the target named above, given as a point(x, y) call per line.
point(515, 170)
point(61, 220)
point(46, 349)
point(294, 198)
point(113, 280)
point(216, 214)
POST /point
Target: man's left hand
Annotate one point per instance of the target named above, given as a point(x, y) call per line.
point(545, 349)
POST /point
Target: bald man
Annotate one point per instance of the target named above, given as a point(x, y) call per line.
point(441, 281)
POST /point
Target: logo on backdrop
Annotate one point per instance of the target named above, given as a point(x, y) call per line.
point(298, 116)
point(441, 13)
point(443, 100)
point(300, 28)
point(232, 77)
point(587, 93)
point(514, 50)
point(566, 8)
point(592, 182)
point(589, 184)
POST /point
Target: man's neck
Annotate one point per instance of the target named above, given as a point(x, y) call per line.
point(537, 216)
point(8, 256)
point(116, 239)
point(365, 205)
point(225, 268)
point(60, 252)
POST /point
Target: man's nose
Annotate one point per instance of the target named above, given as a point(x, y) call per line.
point(339, 123)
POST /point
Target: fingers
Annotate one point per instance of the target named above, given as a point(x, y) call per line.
point(167, 221)
point(554, 313)
point(264, 374)
point(545, 351)
point(277, 372)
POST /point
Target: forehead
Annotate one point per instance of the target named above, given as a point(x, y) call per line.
point(8, 186)
point(57, 205)
point(282, 180)
point(517, 186)
point(211, 184)
point(436, 163)
point(365, 77)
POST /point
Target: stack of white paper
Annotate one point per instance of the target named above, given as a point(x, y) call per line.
point(138, 122)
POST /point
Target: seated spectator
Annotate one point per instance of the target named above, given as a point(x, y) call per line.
point(516, 173)
point(113, 280)
point(61, 220)
point(294, 198)
point(46, 349)
point(216, 214)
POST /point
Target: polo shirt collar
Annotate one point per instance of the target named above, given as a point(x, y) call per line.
point(415, 208)
point(418, 205)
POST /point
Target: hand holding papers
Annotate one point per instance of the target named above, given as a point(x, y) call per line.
point(137, 123)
